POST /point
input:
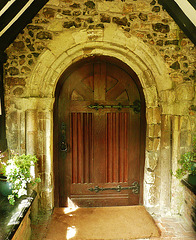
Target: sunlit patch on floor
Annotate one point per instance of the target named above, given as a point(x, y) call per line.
point(71, 232)
point(71, 207)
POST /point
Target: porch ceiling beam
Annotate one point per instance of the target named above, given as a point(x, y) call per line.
point(181, 18)
point(14, 19)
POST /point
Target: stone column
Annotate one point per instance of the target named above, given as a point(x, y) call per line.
point(31, 148)
point(39, 141)
point(45, 153)
point(165, 164)
point(31, 131)
point(152, 178)
point(177, 192)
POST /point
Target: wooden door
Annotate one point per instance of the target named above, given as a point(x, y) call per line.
point(100, 135)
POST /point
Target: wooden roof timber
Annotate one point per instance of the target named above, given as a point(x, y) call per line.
point(14, 18)
point(181, 18)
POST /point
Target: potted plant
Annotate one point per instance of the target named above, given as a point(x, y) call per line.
point(17, 171)
point(188, 165)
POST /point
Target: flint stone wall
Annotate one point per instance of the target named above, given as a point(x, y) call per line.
point(139, 33)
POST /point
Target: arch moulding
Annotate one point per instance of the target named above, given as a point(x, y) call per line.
point(70, 47)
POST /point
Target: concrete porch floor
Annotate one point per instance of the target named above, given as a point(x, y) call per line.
point(171, 228)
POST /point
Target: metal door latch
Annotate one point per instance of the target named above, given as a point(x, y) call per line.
point(63, 144)
point(136, 106)
point(134, 187)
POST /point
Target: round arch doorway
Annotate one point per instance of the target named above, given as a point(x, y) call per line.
point(99, 134)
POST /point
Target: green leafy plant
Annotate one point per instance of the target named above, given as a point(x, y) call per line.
point(18, 173)
point(187, 163)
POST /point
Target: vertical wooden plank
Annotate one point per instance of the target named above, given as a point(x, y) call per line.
point(86, 148)
point(99, 147)
point(126, 132)
point(115, 147)
point(80, 148)
point(121, 147)
point(74, 146)
point(109, 148)
point(134, 151)
point(99, 81)
point(91, 144)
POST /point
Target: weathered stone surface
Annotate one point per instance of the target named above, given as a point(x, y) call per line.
point(19, 44)
point(34, 27)
point(150, 177)
point(44, 35)
point(132, 16)
point(90, 4)
point(75, 5)
point(14, 81)
point(159, 27)
point(171, 42)
point(120, 21)
point(185, 92)
point(100, 25)
point(25, 69)
point(35, 54)
point(71, 24)
point(159, 43)
point(31, 47)
point(90, 20)
point(175, 65)
point(156, 9)
point(143, 17)
point(193, 75)
point(128, 8)
point(48, 13)
point(13, 71)
point(185, 139)
point(76, 13)
point(66, 12)
point(18, 91)
point(151, 161)
point(168, 96)
point(153, 2)
point(30, 62)
point(105, 18)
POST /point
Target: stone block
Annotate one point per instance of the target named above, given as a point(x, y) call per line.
point(185, 123)
point(149, 115)
point(185, 139)
point(156, 144)
point(150, 130)
point(151, 96)
point(157, 130)
point(185, 92)
point(110, 7)
point(149, 144)
point(150, 177)
point(156, 115)
point(147, 78)
point(128, 8)
point(151, 160)
point(168, 96)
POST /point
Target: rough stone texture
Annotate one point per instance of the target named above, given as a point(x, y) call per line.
point(139, 33)
point(189, 213)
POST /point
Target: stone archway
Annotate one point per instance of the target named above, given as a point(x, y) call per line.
point(67, 49)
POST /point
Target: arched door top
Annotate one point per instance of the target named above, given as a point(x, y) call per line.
point(145, 61)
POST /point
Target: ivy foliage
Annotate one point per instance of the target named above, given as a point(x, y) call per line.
point(18, 173)
point(187, 162)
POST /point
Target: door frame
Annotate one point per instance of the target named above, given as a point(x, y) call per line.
point(56, 127)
